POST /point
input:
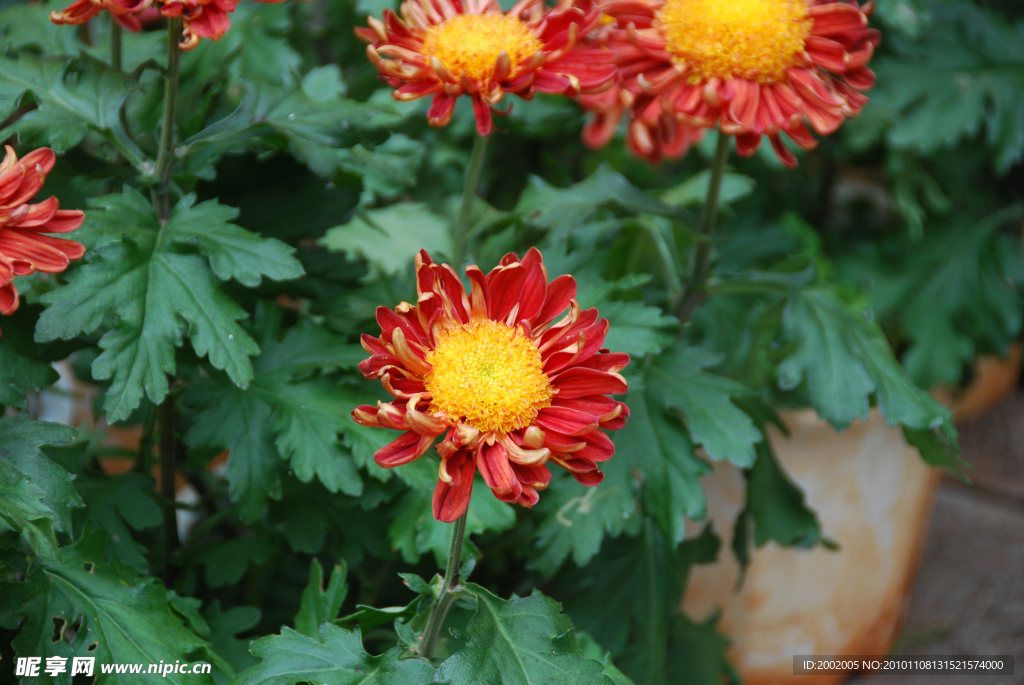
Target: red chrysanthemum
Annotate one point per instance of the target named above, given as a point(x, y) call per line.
point(752, 67)
point(510, 388)
point(23, 246)
point(200, 18)
point(445, 48)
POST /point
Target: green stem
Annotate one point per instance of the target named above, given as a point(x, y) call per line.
point(445, 598)
point(476, 166)
point(656, 610)
point(115, 44)
point(165, 157)
point(694, 293)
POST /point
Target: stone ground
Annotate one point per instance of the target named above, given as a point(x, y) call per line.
point(969, 596)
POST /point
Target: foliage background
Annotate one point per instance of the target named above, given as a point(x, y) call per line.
point(877, 270)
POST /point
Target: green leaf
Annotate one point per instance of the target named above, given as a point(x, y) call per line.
point(577, 518)
point(227, 561)
point(637, 329)
point(524, 641)
point(286, 413)
point(228, 418)
point(693, 190)
point(624, 599)
point(139, 272)
point(844, 359)
point(118, 504)
point(592, 650)
point(271, 117)
point(73, 97)
point(656, 444)
point(562, 210)
point(415, 531)
point(777, 505)
point(955, 291)
point(21, 370)
point(697, 654)
point(37, 495)
point(678, 379)
point(965, 71)
point(336, 657)
point(387, 169)
point(234, 252)
point(118, 617)
point(389, 238)
point(225, 626)
point(319, 604)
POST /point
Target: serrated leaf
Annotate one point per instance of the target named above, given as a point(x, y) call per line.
point(234, 252)
point(845, 358)
point(225, 626)
point(20, 368)
point(138, 272)
point(73, 98)
point(229, 418)
point(777, 505)
point(389, 238)
point(562, 210)
point(387, 169)
point(286, 413)
point(698, 653)
point(524, 641)
point(577, 518)
point(38, 495)
point(680, 382)
point(637, 329)
point(320, 604)
point(336, 657)
point(415, 531)
point(592, 650)
point(656, 444)
point(117, 503)
point(123, 619)
point(627, 597)
point(966, 70)
point(693, 190)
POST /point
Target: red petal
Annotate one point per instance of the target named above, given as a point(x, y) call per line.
point(565, 420)
point(492, 462)
point(583, 382)
point(407, 447)
point(451, 501)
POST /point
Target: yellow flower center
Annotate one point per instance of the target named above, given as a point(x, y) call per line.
point(489, 374)
point(470, 43)
point(757, 39)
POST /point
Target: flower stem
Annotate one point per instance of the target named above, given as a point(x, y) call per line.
point(165, 157)
point(476, 166)
point(445, 598)
point(115, 44)
point(694, 293)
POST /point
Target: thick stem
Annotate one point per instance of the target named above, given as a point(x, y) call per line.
point(476, 166)
point(168, 454)
point(445, 598)
point(165, 157)
point(694, 293)
point(115, 44)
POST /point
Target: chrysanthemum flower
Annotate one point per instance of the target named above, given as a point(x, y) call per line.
point(200, 18)
point(753, 67)
point(23, 247)
point(510, 388)
point(445, 48)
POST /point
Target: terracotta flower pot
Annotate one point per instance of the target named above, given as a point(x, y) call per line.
point(874, 496)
